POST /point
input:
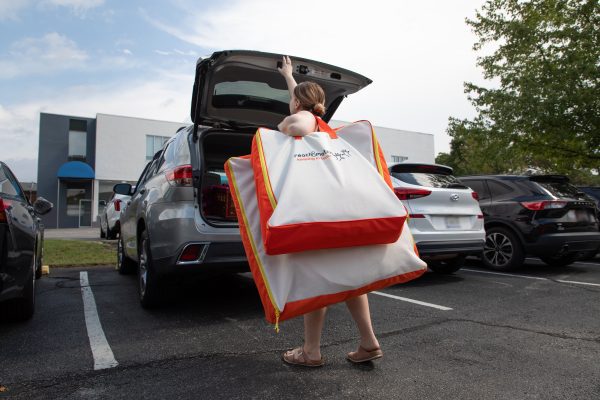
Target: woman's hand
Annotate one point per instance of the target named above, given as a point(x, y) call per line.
point(286, 67)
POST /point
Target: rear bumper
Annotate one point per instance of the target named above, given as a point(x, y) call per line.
point(459, 247)
point(217, 258)
point(557, 243)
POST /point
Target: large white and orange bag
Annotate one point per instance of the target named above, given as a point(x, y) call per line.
point(294, 284)
point(328, 189)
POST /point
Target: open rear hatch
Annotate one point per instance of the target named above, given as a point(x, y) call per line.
point(235, 92)
point(238, 88)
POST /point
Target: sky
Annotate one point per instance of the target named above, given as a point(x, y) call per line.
point(137, 58)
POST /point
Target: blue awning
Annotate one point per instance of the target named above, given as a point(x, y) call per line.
point(75, 170)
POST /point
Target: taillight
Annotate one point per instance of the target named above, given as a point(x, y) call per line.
point(475, 195)
point(190, 253)
point(3, 207)
point(117, 205)
point(416, 215)
point(543, 205)
point(410, 193)
point(180, 176)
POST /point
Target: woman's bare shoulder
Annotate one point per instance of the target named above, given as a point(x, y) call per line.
point(299, 124)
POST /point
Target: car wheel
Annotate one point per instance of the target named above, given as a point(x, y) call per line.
point(147, 280)
point(114, 232)
point(502, 251)
point(449, 266)
point(560, 261)
point(124, 265)
point(24, 307)
point(38, 266)
point(102, 232)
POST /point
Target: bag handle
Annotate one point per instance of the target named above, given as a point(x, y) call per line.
point(323, 127)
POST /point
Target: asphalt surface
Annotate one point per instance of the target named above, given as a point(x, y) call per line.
point(535, 335)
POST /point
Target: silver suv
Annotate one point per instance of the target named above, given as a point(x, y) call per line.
point(181, 218)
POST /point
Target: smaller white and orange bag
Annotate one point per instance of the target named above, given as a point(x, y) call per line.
point(328, 189)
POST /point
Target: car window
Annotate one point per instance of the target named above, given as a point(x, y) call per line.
point(478, 186)
point(560, 189)
point(142, 177)
point(429, 179)
point(498, 189)
point(9, 185)
point(178, 153)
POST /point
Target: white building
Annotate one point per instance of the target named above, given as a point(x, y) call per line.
point(81, 159)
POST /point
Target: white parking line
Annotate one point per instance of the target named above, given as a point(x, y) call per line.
point(422, 303)
point(504, 274)
point(594, 264)
point(531, 277)
point(101, 351)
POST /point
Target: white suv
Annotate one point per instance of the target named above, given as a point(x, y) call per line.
point(444, 215)
point(110, 225)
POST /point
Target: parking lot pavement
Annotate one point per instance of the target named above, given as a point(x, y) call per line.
point(525, 335)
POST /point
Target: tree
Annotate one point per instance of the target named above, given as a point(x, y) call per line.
point(545, 112)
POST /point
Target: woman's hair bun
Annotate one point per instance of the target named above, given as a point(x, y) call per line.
point(318, 109)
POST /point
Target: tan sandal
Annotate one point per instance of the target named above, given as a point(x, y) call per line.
point(297, 356)
point(362, 355)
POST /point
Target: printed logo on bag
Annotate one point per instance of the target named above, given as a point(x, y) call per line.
point(322, 155)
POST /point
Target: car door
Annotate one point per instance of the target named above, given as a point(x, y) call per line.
point(21, 235)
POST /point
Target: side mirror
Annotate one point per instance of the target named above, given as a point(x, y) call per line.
point(122, 188)
point(102, 203)
point(42, 206)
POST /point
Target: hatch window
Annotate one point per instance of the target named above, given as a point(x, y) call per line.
point(248, 94)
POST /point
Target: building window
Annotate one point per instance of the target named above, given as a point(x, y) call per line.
point(77, 140)
point(154, 144)
point(398, 159)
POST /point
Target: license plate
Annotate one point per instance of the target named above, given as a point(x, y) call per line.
point(452, 222)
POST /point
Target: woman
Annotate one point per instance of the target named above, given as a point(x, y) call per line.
point(306, 104)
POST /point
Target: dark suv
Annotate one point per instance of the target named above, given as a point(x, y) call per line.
point(543, 216)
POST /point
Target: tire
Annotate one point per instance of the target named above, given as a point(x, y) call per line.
point(449, 266)
point(503, 250)
point(113, 233)
point(148, 285)
point(102, 233)
point(39, 262)
point(124, 265)
point(23, 308)
point(560, 261)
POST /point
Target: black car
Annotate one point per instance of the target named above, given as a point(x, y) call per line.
point(21, 241)
point(543, 216)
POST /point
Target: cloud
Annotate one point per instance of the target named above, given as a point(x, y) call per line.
point(417, 53)
point(9, 9)
point(78, 7)
point(165, 97)
point(45, 55)
point(127, 51)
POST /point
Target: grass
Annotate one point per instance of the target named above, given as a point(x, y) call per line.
point(71, 253)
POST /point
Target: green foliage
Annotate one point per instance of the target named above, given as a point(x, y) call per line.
point(545, 113)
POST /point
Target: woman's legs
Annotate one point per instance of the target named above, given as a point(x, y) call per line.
point(359, 308)
point(313, 325)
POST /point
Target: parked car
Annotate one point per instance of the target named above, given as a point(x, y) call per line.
point(181, 217)
point(543, 216)
point(21, 246)
point(109, 219)
point(444, 215)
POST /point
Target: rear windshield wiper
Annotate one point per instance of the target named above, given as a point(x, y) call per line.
point(455, 185)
